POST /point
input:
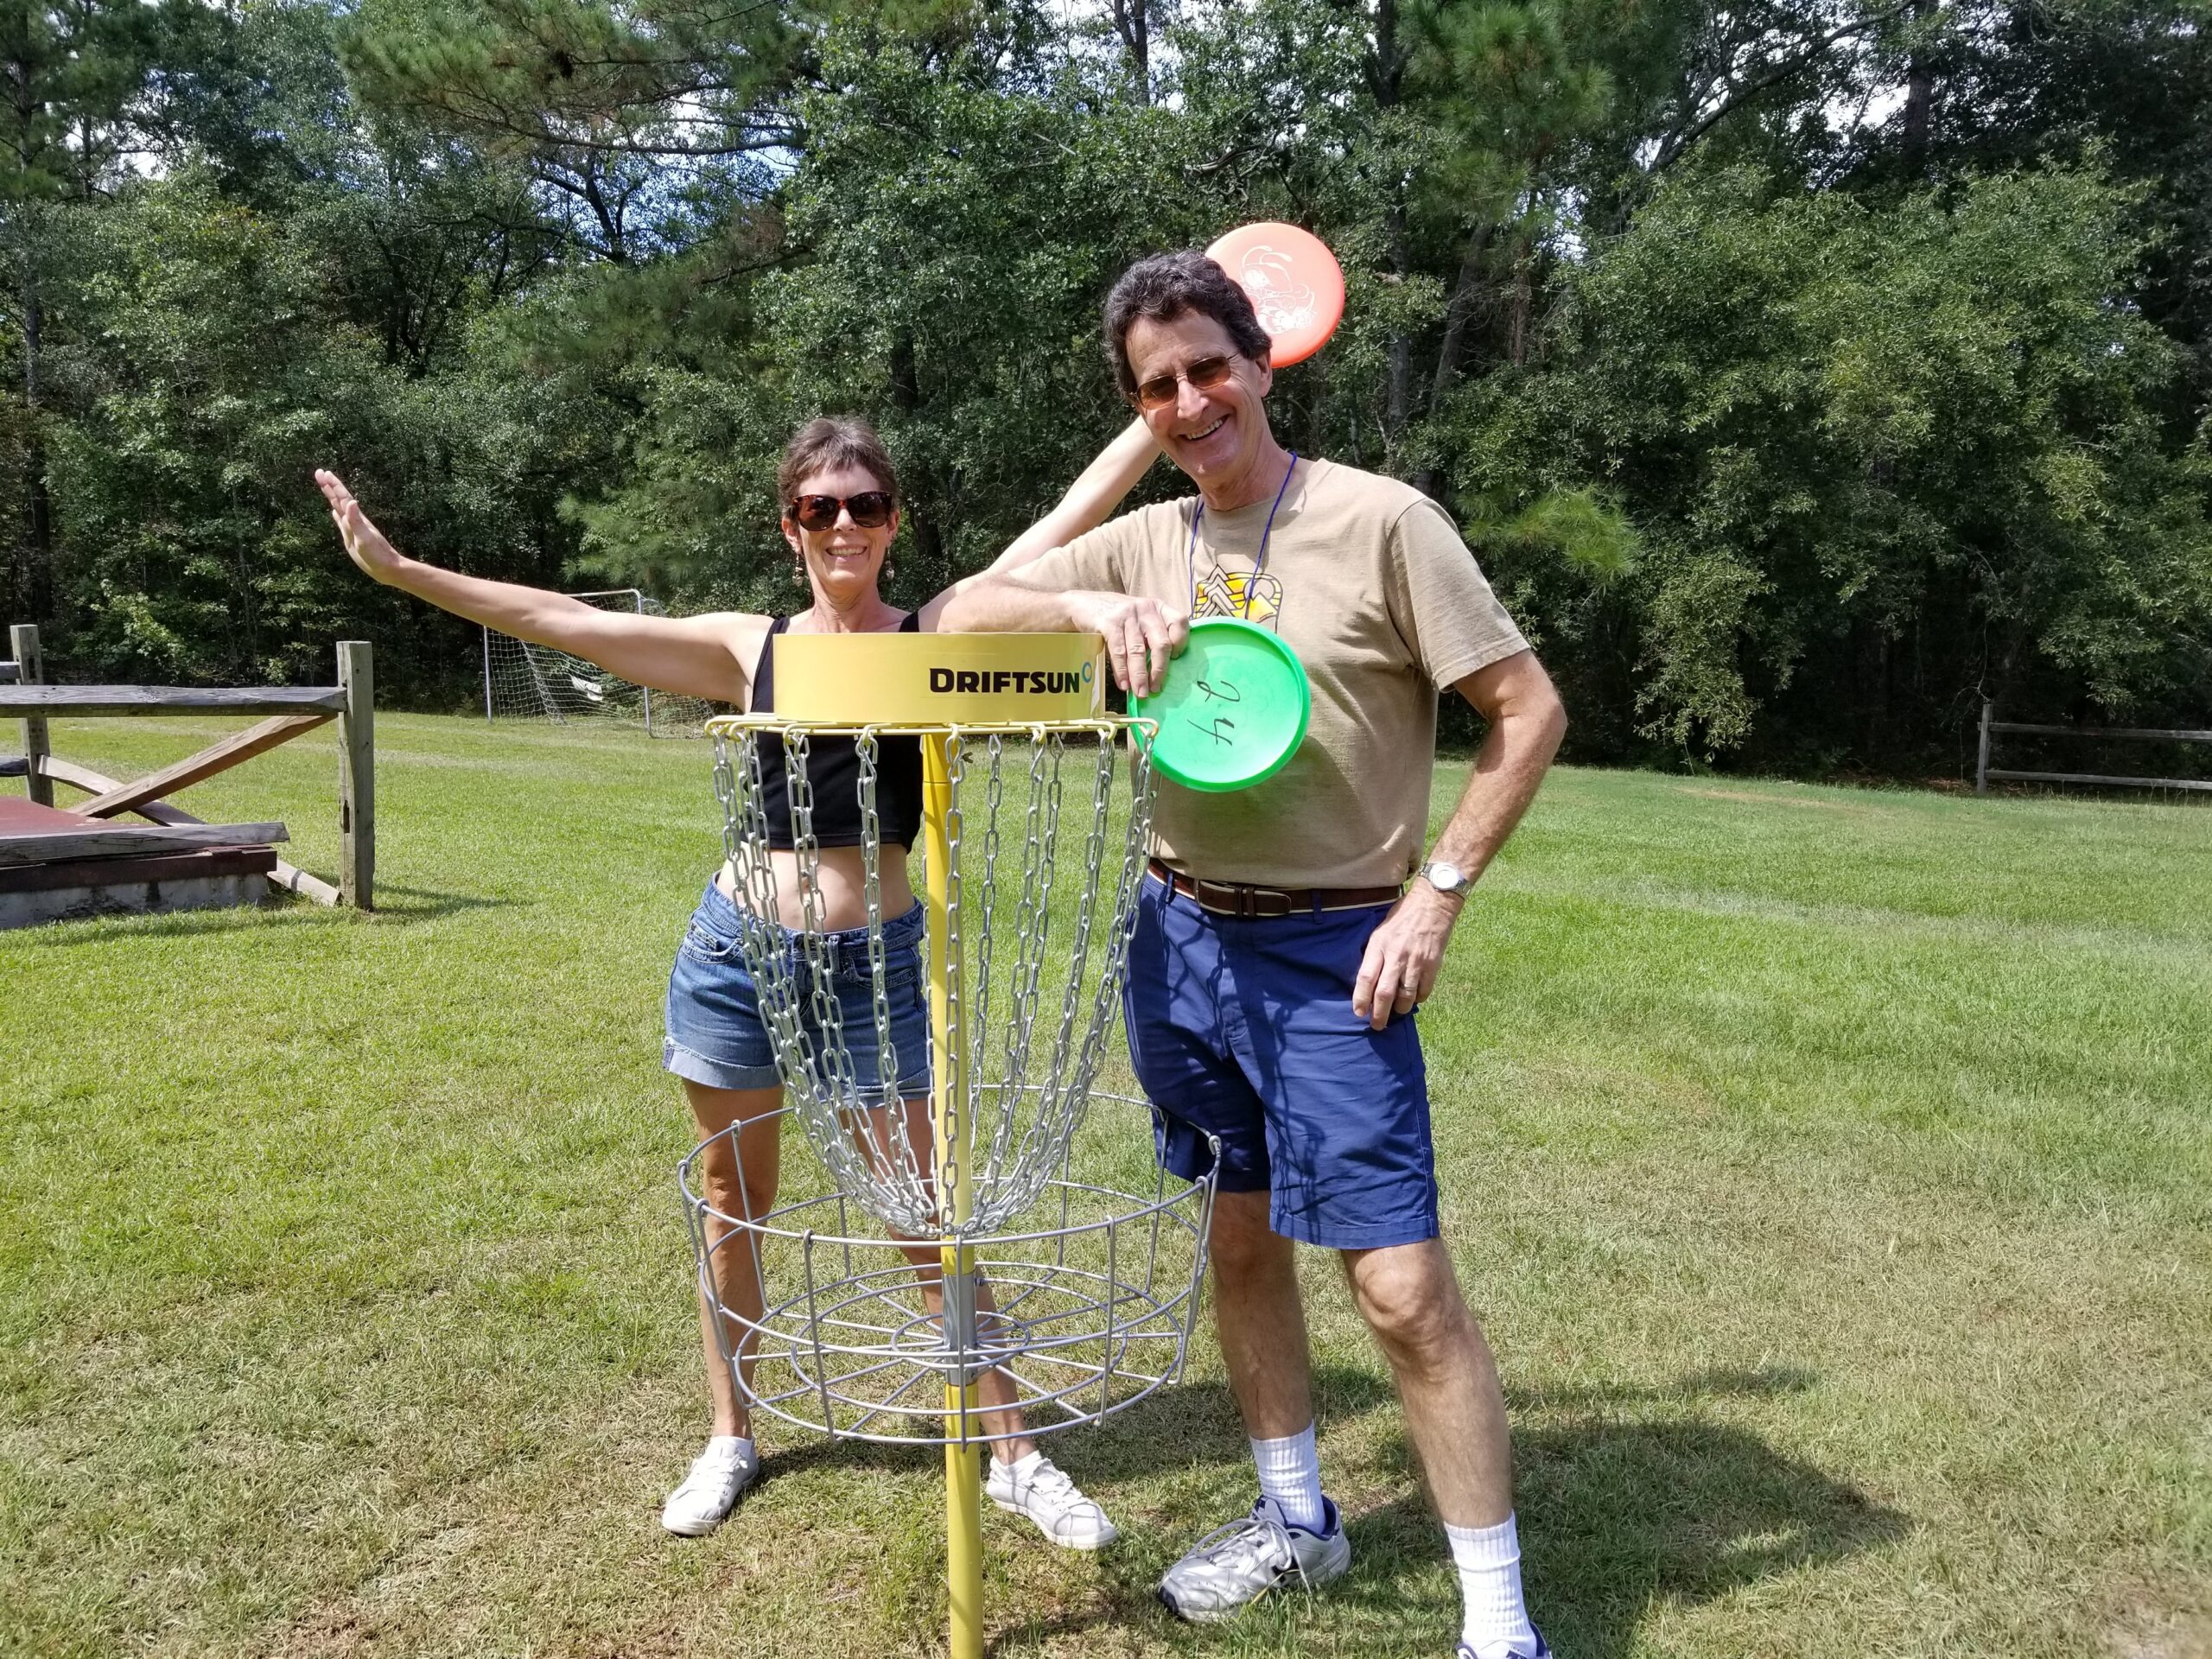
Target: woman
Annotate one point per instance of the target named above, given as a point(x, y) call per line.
point(840, 516)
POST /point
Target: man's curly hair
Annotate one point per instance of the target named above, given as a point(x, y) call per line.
point(1171, 285)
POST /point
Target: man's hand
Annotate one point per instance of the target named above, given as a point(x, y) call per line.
point(1141, 637)
point(364, 544)
point(1404, 955)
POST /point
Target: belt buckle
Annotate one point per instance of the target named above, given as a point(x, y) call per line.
point(1236, 898)
point(1261, 903)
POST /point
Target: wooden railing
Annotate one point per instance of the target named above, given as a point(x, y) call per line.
point(291, 710)
point(1983, 772)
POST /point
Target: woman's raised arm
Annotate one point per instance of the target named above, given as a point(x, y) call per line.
point(708, 656)
point(1089, 502)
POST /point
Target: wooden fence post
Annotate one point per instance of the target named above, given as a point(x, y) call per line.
point(1982, 763)
point(22, 641)
point(357, 776)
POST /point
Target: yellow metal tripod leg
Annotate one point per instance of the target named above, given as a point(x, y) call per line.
point(964, 1507)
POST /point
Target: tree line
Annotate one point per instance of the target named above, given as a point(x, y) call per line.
point(1802, 371)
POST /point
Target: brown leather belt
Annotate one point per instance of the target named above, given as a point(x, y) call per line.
point(1252, 904)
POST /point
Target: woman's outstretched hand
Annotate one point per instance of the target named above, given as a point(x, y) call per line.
point(364, 544)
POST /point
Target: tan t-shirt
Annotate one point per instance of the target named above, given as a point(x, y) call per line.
point(1369, 582)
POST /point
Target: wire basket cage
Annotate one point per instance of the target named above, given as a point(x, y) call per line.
point(1086, 1312)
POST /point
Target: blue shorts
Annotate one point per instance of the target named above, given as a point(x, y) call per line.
point(1244, 1029)
point(716, 1034)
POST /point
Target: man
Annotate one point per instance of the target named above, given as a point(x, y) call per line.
point(1279, 952)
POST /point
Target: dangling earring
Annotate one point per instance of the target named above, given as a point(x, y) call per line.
point(798, 573)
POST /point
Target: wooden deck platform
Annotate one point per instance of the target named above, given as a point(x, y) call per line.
point(58, 865)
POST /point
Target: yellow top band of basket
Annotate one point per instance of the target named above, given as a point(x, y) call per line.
point(928, 680)
point(1107, 726)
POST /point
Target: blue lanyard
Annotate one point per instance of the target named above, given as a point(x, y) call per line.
point(1258, 564)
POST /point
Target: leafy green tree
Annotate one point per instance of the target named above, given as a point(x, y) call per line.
point(215, 378)
point(949, 241)
point(1885, 459)
point(78, 103)
point(305, 287)
point(634, 119)
point(2129, 86)
point(1803, 369)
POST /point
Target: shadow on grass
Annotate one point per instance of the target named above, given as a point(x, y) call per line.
point(1617, 1518)
point(1193, 1426)
point(427, 904)
point(397, 907)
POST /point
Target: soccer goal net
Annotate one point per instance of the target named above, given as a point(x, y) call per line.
point(527, 682)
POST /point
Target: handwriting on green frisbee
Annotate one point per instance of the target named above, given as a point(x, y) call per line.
point(1221, 728)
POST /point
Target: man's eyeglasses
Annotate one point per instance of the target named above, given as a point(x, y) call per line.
point(871, 510)
point(1160, 391)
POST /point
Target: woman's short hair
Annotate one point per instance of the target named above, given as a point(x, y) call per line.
point(1170, 285)
point(828, 443)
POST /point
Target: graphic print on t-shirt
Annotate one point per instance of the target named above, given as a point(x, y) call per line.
point(1250, 597)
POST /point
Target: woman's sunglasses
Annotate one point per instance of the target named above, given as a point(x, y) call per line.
point(1160, 391)
point(871, 510)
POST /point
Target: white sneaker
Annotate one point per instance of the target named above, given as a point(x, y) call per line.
point(1044, 1493)
point(709, 1492)
point(1235, 1565)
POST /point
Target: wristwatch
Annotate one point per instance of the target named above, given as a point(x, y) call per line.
point(1448, 879)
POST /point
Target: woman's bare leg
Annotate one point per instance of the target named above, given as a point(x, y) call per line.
point(738, 1179)
point(994, 1389)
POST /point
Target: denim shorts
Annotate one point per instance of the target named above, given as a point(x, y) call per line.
point(1244, 1029)
point(716, 1033)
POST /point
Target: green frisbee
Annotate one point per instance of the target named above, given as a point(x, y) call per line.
point(1234, 710)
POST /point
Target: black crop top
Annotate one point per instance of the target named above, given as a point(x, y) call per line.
point(833, 770)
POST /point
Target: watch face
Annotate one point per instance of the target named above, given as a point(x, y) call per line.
point(1446, 877)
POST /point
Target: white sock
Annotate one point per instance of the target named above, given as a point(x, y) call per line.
point(1021, 1466)
point(730, 1450)
point(1495, 1621)
point(1290, 1474)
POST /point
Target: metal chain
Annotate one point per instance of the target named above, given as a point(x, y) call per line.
point(820, 950)
point(1062, 1099)
point(903, 1167)
point(761, 934)
point(985, 902)
point(957, 1100)
point(1032, 927)
point(1019, 1103)
point(1136, 840)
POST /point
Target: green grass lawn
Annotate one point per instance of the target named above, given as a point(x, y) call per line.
point(1832, 1169)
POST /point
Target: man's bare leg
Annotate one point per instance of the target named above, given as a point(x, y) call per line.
point(1455, 1411)
point(1261, 1323)
point(1259, 1319)
point(1455, 1414)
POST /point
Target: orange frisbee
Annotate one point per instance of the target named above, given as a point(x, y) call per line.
point(1295, 283)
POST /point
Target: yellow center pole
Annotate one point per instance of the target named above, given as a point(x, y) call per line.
point(900, 682)
point(952, 1139)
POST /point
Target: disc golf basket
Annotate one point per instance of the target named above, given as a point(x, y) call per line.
point(1078, 1286)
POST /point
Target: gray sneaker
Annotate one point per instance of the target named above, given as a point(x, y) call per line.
point(1237, 1564)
